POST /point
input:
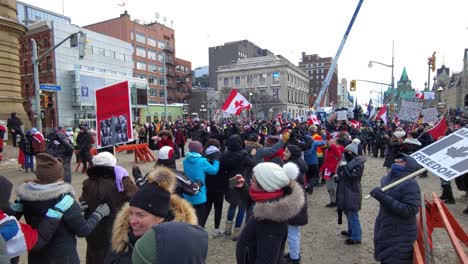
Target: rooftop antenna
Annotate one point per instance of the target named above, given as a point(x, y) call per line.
point(172, 23)
point(157, 15)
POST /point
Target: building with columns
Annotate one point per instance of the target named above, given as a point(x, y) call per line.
point(272, 83)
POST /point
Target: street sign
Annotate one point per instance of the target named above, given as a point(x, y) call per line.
point(447, 157)
point(50, 87)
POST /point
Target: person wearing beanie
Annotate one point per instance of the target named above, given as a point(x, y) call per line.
point(154, 203)
point(293, 157)
point(45, 192)
point(60, 147)
point(349, 193)
point(196, 167)
point(398, 209)
point(333, 153)
point(165, 138)
point(215, 186)
point(186, 244)
point(393, 146)
point(106, 183)
point(278, 198)
point(233, 162)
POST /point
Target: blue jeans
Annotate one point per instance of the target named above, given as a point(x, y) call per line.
point(354, 227)
point(294, 242)
point(240, 215)
point(28, 162)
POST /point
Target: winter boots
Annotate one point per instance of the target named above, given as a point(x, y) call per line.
point(447, 194)
point(235, 233)
point(228, 230)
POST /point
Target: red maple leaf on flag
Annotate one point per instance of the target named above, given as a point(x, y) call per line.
point(238, 104)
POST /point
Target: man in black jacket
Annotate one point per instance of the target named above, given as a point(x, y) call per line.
point(60, 147)
point(84, 143)
point(14, 126)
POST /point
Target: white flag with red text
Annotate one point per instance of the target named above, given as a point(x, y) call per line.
point(235, 103)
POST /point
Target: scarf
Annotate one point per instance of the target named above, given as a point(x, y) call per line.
point(262, 196)
point(120, 173)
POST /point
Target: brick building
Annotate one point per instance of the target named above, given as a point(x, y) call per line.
point(317, 69)
point(154, 56)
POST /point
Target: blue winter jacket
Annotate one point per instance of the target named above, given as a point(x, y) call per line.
point(196, 167)
point(310, 155)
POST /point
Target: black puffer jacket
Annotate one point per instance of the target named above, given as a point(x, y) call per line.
point(393, 150)
point(349, 193)
point(395, 226)
point(37, 199)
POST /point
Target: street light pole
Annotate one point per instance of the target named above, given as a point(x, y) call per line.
point(37, 95)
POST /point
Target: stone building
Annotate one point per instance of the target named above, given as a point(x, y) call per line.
point(272, 83)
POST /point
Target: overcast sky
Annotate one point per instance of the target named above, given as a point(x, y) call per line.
point(314, 26)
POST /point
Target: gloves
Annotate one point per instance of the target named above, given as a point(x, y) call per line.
point(102, 211)
point(139, 179)
point(83, 206)
point(343, 163)
point(377, 193)
point(61, 207)
point(17, 206)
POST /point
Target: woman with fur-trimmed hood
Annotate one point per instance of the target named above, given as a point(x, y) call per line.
point(277, 198)
point(154, 203)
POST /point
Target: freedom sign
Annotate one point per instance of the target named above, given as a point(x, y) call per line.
point(447, 157)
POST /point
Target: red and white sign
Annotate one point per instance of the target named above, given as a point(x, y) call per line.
point(313, 119)
point(113, 115)
point(419, 95)
point(382, 114)
point(356, 124)
point(235, 103)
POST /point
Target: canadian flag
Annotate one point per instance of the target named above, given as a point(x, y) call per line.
point(419, 95)
point(313, 119)
point(356, 124)
point(382, 114)
point(235, 103)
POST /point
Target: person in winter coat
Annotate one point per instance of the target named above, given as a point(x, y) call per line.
point(395, 226)
point(196, 168)
point(215, 186)
point(59, 147)
point(333, 154)
point(2, 135)
point(410, 144)
point(44, 192)
point(310, 157)
point(26, 147)
point(186, 244)
point(20, 236)
point(234, 161)
point(180, 139)
point(14, 127)
point(154, 203)
point(84, 142)
point(349, 193)
point(293, 157)
point(278, 198)
point(393, 148)
point(164, 138)
point(107, 183)
point(378, 143)
point(366, 137)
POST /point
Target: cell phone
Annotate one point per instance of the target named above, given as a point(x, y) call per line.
point(232, 182)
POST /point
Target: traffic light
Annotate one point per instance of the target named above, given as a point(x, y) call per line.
point(82, 45)
point(353, 86)
point(50, 101)
point(74, 40)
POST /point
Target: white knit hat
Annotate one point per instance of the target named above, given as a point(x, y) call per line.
point(399, 134)
point(166, 153)
point(104, 159)
point(353, 147)
point(272, 177)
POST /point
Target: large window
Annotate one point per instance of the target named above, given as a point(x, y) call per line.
point(262, 79)
point(151, 42)
point(151, 54)
point(98, 51)
point(237, 81)
point(140, 51)
point(140, 37)
point(161, 69)
point(109, 53)
point(161, 93)
point(120, 56)
point(161, 44)
point(275, 78)
point(275, 93)
point(226, 82)
point(152, 79)
point(161, 57)
point(161, 82)
point(141, 66)
point(152, 67)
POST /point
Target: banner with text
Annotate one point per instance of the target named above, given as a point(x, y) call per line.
point(113, 115)
point(430, 115)
point(447, 157)
point(342, 115)
point(409, 111)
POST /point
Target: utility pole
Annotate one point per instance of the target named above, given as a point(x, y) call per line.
point(81, 43)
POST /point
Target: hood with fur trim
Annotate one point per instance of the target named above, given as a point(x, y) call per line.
point(283, 209)
point(252, 144)
point(165, 132)
point(32, 191)
point(179, 209)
